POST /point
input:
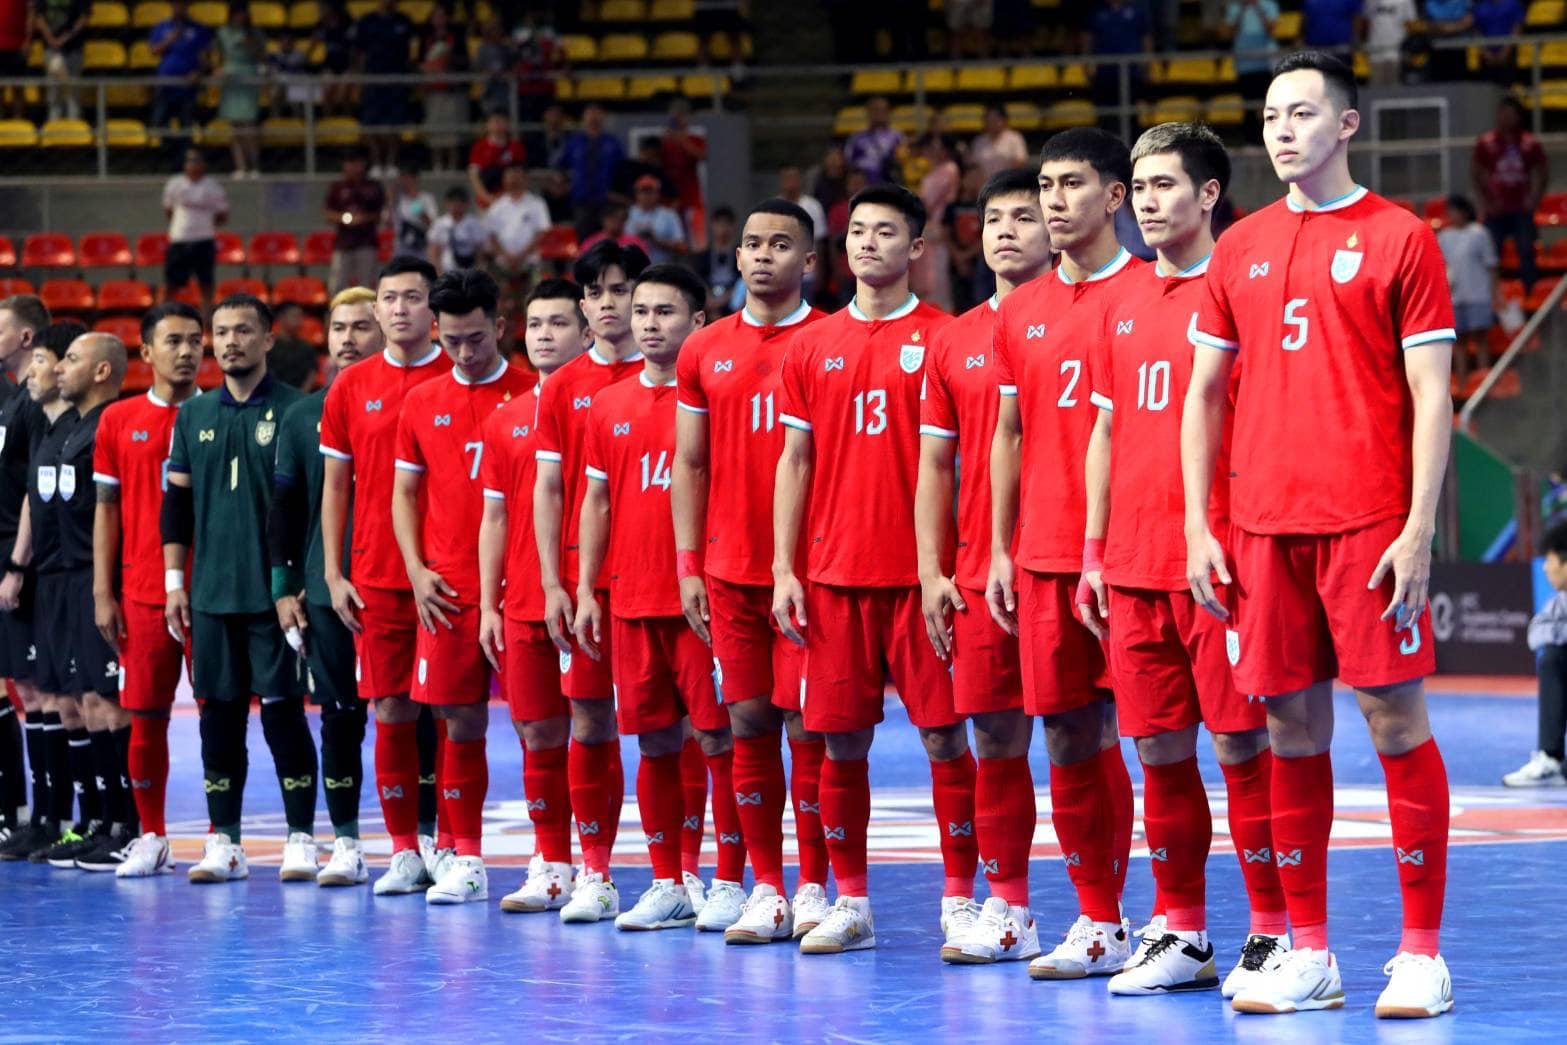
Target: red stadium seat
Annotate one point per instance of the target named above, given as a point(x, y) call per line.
point(138, 374)
point(124, 295)
point(231, 249)
point(318, 248)
point(190, 294)
point(559, 243)
point(1542, 290)
point(1509, 256)
point(311, 329)
point(151, 247)
point(274, 248)
point(385, 242)
point(15, 285)
point(48, 250)
point(1553, 209)
point(1436, 212)
point(304, 291)
point(71, 296)
point(209, 375)
point(253, 287)
point(126, 328)
point(7, 253)
point(104, 250)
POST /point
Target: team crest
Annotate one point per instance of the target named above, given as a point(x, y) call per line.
point(1346, 261)
point(911, 358)
point(265, 430)
point(67, 481)
point(565, 663)
point(1232, 646)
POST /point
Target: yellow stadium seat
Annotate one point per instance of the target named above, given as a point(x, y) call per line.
point(1176, 109)
point(418, 11)
point(125, 134)
point(1287, 26)
point(218, 134)
point(103, 56)
point(35, 55)
point(1074, 76)
point(876, 81)
point(283, 132)
point(210, 13)
point(719, 47)
point(579, 48)
point(1525, 55)
point(565, 90)
point(149, 13)
point(600, 89)
point(304, 14)
point(1074, 112)
point(1225, 110)
point(1553, 53)
point(677, 47)
point(1189, 70)
point(937, 81)
point(268, 15)
point(964, 119)
point(17, 134)
point(849, 119)
point(142, 56)
point(640, 88)
point(1545, 14)
point(65, 134)
point(1362, 66)
point(357, 9)
point(622, 47)
point(671, 11)
point(126, 96)
point(986, 79)
point(1033, 78)
point(1226, 71)
point(1023, 116)
point(703, 86)
point(337, 130)
point(108, 14)
point(623, 11)
point(1553, 95)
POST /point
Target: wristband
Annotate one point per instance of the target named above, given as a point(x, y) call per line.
point(173, 580)
point(687, 564)
point(12, 566)
point(1094, 555)
point(285, 582)
point(1084, 596)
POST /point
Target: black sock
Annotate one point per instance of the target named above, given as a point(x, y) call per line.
point(294, 755)
point(37, 763)
point(427, 750)
point(83, 776)
point(225, 762)
point(122, 761)
point(106, 767)
point(62, 791)
point(13, 770)
point(342, 763)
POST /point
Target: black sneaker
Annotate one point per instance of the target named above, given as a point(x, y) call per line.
point(108, 854)
point(74, 841)
point(53, 833)
point(24, 840)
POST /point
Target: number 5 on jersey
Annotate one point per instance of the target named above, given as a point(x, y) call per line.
point(1296, 339)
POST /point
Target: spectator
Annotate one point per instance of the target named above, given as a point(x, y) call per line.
point(443, 50)
point(999, 147)
point(612, 226)
point(242, 52)
point(353, 209)
point(538, 59)
point(1331, 24)
point(61, 23)
point(1448, 20)
point(972, 280)
point(1499, 18)
point(515, 223)
point(1249, 24)
point(873, 150)
point(491, 155)
point(382, 40)
point(292, 359)
point(180, 46)
point(494, 57)
point(590, 157)
point(648, 162)
point(968, 28)
point(195, 205)
point(16, 33)
point(411, 214)
point(718, 265)
point(457, 236)
point(1388, 24)
point(829, 184)
point(1118, 27)
point(682, 151)
point(551, 138)
point(655, 224)
point(1471, 276)
point(557, 197)
point(1510, 171)
point(1547, 637)
point(791, 186)
point(335, 35)
point(931, 274)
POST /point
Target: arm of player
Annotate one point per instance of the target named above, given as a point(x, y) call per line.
point(688, 502)
point(1202, 425)
point(105, 563)
point(790, 486)
point(939, 597)
point(286, 528)
point(430, 588)
point(1006, 454)
point(492, 567)
point(21, 555)
point(336, 486)
point(1093, 604)
point(549, 505)
point(177, 525)
point(592, 542)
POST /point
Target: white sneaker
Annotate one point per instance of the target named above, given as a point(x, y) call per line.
point(438, 862)
point(221, 861)
point(1303, 979)
point(810, 908)
point(547, 888)
point(592, 898)
point(427, 850)
point(765, 919)
point(347, 865)
point(301, 860)
point(464, 881)
point(1260, 953)
point(1177, 961)
point(665, 905)
point(722, 908)
point(1000, 933)
point(406, 874)
point(958, 915)
point(1090, 949)
point(1147, 936)
point(1540, 771)
point(847, 927)
point(1419, 987)
point(695, 890)
point(145, 857)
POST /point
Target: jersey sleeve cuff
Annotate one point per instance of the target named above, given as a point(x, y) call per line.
point(105, 479)
point(407, 466)
point(547, 455)
point(1101, 401)
point(1430, 337)
point(335, 454)
point(938, 432)
point(1224, 345)
point(791, 421)
point(177, 466)
point(688, 408)
point(1007, 390)
point(595, 473)
point(494, 495)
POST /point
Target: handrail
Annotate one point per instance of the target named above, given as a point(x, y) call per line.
point(1552, 301)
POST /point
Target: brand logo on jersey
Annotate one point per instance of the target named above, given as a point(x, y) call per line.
point(1073, 859)
point(46, 482)
point(339, 783)
point(723, 366)
point(835, 363)
point(265, 430)
point(451, 794)
point(139, 437)
point(832, 834)
point(814, 808)
point(519, 431)
point(911, 358)
point(538, 805)
point(1345, 264)
point(1289, 859)
point(581, 402)
point(1258, 270)
point(1124, 326)
point(424, 670)
point(729, 839)
point(623, 428)
point(372, 405)
point(588, 827)
point(973, 362)
point(298, 783)
point(111, 670)
point(67, 481)
point(1035, 332)
point(443, 420)
point(206, 435)
point(1232, 646)
point(991, 866)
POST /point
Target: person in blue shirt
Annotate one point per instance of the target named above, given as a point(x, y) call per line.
point(1118, 27)
point(1449, 19)
point(1250, 25)
point(1498, 18)
point(591, 157)
point(180, 46)
point(1330, 24)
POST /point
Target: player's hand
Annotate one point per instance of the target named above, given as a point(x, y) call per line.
point(1409, 557)
point(109, 619)
point(1093, 603)
point(432, 598)
point(588, 625)
point(347, 603)
point(492, 637)
point(1001, 593)
point(559, 617)
point(1204, 560)
point(789, 608)
point(176, 614)
point(10, 592)
point(291, 614)
point(693, 603)
point(939, 599)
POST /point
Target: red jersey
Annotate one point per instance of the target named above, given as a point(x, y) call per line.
point(440, 434)
point(731, 372)
point(959, 402)
point(854, 384)
point(631, 446)
point(359, 425)
point(1141, 367)
point(1043, 336)
point(1508, 165)
point(1322, 303)
point(506, 473)
point(486, 155)
point(131, 453)
point(563, 405)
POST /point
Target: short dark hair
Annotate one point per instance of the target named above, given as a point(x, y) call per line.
point(457, 192)
point(158, 313)
point(29, 310)
point(57, 336)
point(1463, 204)
point(1101, 150)
point(725, 212)
point(1555, 540)
point(1014, 182)
point(688, 283)
point(460, 291)
point(406, 263)
point(605, 255)
point(557, 290)
point(1510, 102)
point(1340, 78)
point(785, 209)
point(1202, 154)
point(250, 301)
point(899, 199)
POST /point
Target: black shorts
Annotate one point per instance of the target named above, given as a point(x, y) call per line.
point(72, 657)
point(194, 259)
point(18, 655)
point(240, 655)
point(329, 659)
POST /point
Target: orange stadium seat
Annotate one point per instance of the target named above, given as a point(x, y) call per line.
point(124, 295)
point(190, 294)
point(244, 285)
point(318, 248)
point(274, 248)
point(559, 243)
point(48, 250)
point(7, 253)
point(127, 329)
point(304, 291)
point(1435, 211)
point(311, 329)
point(15, 285)
point(104, 250)
point(208, 374)
point(231, 249)
point(1553, 209)
point(71, 296)
point(151, 248)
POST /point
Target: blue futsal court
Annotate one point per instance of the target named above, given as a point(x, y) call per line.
point(90, 957)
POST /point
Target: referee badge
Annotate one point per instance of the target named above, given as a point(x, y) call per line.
point(46, 482)
point(67, 481)
point(911, 358)
point(265, 430)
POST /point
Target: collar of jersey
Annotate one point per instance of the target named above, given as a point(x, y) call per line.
point(1105, 271)
point(797, 316)
point(153, 398)
point(1196, 268)
point(435, 350)
point(642, 377)
point(593, 354)
point(260, 394)
point(495, 375)
point(1349, 199)
point(994, 301)
point(897, 313)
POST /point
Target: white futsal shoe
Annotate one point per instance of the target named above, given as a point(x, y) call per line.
point(301, 859)
point(1540, 771)
point(958, 915)
point(1176, 962)
point(695, 890)
point(221, 861)
point(1090, 949)
point(765, 919)
point(346, 866)
point(465, 881)
point(1303, 979)
point(592, 899)
point(810, 907)
point(146, 857)
point(438, 862)
point(664, 905)
point(547, 888)
point(1418, 987)
point(722, 908)
point(406, 874)
point(847, 927)
point(1001, 933)
point(1147, 936)
point(1260, 953)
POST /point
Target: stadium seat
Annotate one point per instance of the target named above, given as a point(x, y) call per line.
point(1511, 290)
point(935, 81)
point(357, 9)
point(1074, 112)
point(282, 132)
point(216, 134)
point(1175, 109)
point(124, 295)
point(981, 79)
point(385, 244)
point(151, 248)
point(1553, 95)
point(1555, 258)
point(121, 133)
point(337, 130)
point(274, 248)
point(230, 249)
point(877, 81)
point(1546, 14)
point(703, 85)
point(242, 285)
point(910, 119)
point(719, 49)
point(7, 253)
point(268, 16)
point(1074, 75)
point(1184, 71)
point(640, 88)
point(1023, 116)
point(1225, 110)
point(72, 296)
point(15, 285)
point(190, 294)
point(149, 13)
point(600, 89)
point(128, 330)
point(17, 134)
point(108, 14)
point(103, 56)
point(1542, 290)
point(208, 374)
point(671, 11)
point(126, 96)
point(418, 11)
point(142, 57)
point(304, 291)
point(964, 119)
point(676, 47)
point(1435, 212)
point(304, 14)
point(318, 248)
point(1553, 209)
point(559, 243)
point(850, 118)
point(622, 47)
point(138, 372)
point(65, 134)
point(104, 250)
point(1033, 78)
point(1287, 26)
point(622, 11)
point(48, 250)
point(210, 13)
point(1226, 73)
point(578, 48)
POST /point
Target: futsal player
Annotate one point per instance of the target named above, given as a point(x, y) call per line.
point(1338, 301)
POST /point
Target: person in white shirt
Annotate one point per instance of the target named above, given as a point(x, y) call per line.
point(516, 222)
point(195, 206)
point(655, 224)
point(791, 186)
point(999, 148)
point(1471, 260)
point(458, 237)
point(1387, 25)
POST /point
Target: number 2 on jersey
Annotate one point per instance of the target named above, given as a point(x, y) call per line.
point(656, 473)
point(1072, 370)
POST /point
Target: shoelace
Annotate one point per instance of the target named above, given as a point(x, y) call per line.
point(1081, 931)
point(840, 917)
point(1151, 927)
point(1168, 941)
point(1403, 960)
point(1257, 951)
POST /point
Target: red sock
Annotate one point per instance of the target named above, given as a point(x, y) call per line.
point(397, 781)
point(846, 817)
point(693, 825)
point(1080, 811)
point(1004, 820)
point(1248, 786)
point(726, 819)
point(759, 801)
point(805, 785)
point(148, 766)
point(1417, 804)
point(445, 833)
point(1302, 820)
point(1179, 827)
point(1118, 788)
point(590, 773)
point(660, 796)
point(545, 786)
point(464, 780)
point(952, 793)
point(617, 791)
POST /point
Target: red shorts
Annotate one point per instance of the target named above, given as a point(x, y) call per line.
point(986, 672)
point(384, 647)
point(751, 657)
point(855, 638)
point(1063, 663)
point(582, 677)
point(1171, 670)
point(149, 659)
point(663, 673)
point(449, 665)
point(532, 676)
point(1304, 614)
